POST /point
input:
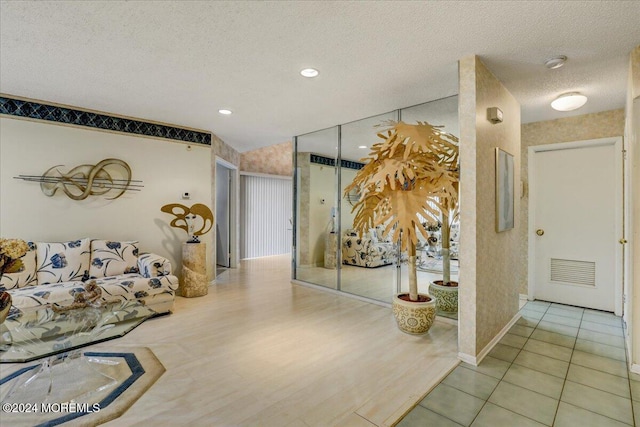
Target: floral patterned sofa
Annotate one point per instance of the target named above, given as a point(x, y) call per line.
point(55, 272)
point(366, 251)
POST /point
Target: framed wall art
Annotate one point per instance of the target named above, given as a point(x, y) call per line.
point(504, 191)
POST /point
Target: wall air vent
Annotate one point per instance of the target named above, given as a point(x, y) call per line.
point(574, 272)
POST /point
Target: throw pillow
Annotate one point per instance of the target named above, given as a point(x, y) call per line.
point(113, 258)
point(63, 262)
point(27, 276)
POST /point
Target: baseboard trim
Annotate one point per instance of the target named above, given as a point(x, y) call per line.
point(476, 360)
point(467, 358)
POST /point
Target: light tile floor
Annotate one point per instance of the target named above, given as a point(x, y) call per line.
point(558, 366)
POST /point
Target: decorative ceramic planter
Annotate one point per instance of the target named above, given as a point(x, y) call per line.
point(414, 317)
point(446, 297)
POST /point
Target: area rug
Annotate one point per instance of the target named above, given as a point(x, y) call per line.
point(434, 265)
point(135, 369)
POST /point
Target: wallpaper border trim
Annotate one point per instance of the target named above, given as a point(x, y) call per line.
point(327, 161)
point(49, 112)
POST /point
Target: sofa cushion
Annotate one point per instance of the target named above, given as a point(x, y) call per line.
point(26, 277)
point(130, 286)
point(109, 258)
point(63, 262)
point(118, 288)
point(56, 293)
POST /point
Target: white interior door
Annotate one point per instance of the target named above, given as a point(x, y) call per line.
point(576, 199)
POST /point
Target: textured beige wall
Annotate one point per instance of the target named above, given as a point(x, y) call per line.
point(468, 208)
point(272, 160)
point(578, 128)
point(224, 151)
point(489, 260)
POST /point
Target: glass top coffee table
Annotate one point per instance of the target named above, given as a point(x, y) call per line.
point(34, 333)
point(66, 373)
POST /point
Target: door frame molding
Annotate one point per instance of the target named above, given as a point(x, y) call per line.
point(616, 141)
point(234, 212)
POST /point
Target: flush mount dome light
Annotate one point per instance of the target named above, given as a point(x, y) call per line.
point(309, 72)
point(225, 111)
point(569, 101)
point(362, 146)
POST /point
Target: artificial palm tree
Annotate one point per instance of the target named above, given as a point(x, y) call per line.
point(414, 164)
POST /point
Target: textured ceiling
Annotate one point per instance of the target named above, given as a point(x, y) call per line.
point(179, 62)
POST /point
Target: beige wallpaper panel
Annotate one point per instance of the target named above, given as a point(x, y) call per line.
point(489, 260)
point(468, 236)
point(272, 160)
point(497, 267)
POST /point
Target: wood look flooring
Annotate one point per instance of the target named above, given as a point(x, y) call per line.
point(260, 351)
point(376, 283)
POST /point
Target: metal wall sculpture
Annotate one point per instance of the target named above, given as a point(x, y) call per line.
point(185, 218)
point(86, 180)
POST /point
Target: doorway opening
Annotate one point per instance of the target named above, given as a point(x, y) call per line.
point(225, 215)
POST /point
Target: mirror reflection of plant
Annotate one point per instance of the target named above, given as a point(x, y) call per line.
point(414, 165)
point(432, 226)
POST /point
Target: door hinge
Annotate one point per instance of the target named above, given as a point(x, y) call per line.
point(624, 154)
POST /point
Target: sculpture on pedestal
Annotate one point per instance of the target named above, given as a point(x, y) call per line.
point(187, 219)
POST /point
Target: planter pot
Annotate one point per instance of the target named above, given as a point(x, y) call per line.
point(414, 317)
point(446, 296)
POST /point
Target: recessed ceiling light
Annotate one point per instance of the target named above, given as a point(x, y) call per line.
point(309, 72)
point(225, 111)
point(555, 62)
point(362, 146)
point(569, 101)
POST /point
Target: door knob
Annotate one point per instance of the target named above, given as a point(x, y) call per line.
point(539, 231)
point(623, 241)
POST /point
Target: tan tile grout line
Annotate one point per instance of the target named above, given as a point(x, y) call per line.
point(569, 367)
point(505, 373)
point(501, 379)
point(566, 375)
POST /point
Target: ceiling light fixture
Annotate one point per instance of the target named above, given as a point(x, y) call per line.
point(309, 72)
point(555, 62)
point(225, 111)
point(569, 101)
point(362, 146)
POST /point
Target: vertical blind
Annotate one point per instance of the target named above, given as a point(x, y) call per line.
point(265, 214)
